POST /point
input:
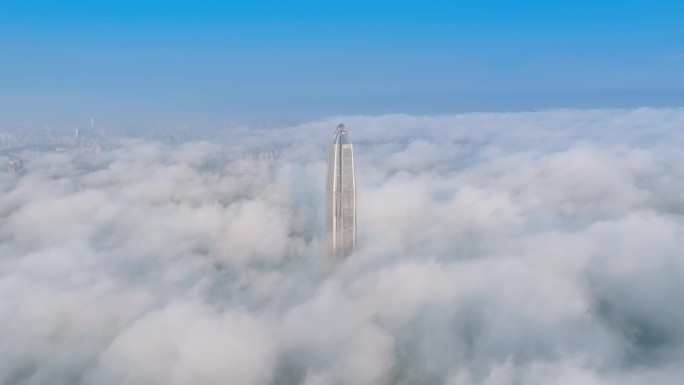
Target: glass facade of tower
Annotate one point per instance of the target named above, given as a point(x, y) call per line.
point(341, 195)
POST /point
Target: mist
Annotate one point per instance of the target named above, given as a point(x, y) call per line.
point(513, 248)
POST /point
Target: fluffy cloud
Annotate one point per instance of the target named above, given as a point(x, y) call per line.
point(537, 248)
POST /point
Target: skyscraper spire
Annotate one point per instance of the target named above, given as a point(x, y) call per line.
point(341, 195)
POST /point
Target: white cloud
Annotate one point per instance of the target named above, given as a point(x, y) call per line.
point(537, 247)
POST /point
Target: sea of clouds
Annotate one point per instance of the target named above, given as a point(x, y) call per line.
point(514, 248)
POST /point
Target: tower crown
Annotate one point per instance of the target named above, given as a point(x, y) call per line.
point(341, 135)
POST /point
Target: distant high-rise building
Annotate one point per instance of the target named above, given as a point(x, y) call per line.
point(341, 195)
point(14, 167)
point(7, 140)
point(77, 137)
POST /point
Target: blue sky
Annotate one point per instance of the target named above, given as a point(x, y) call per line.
point(214, 61)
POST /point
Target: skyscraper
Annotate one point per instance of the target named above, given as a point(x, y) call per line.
point(341, 195)
point(78, 137)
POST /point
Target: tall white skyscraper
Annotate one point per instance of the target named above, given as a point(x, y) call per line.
point(341, 195)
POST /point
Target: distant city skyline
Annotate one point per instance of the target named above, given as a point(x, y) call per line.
point(209, 61)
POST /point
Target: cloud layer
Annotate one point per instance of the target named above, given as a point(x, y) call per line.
point(536, 248)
